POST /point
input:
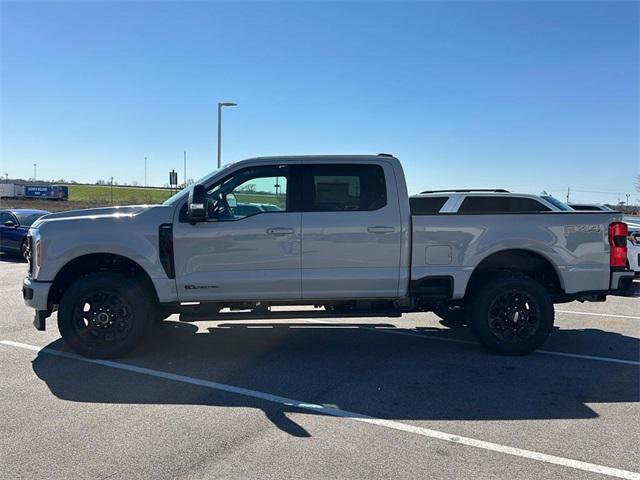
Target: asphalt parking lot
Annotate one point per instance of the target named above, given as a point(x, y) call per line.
point(322, 398)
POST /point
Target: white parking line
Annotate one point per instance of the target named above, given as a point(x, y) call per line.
point(575, 312)
point(393, 331)
point(336, 412)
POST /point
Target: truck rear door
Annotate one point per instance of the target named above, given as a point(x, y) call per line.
point(351, 231)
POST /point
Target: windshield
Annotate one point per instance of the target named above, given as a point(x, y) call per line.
point(27, 219)
point(557, 203)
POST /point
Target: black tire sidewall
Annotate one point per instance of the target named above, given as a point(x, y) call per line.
point(496, 286)
point(131, 290)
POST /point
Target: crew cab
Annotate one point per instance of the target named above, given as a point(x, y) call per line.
point(342, 236)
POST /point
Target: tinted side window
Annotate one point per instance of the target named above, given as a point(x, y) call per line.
point(527, 205)
point(5, 217)
point(426, 205)
point(338, 188)
point(590, 208)
point(501, 205)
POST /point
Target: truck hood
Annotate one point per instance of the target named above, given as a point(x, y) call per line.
point(96, 213)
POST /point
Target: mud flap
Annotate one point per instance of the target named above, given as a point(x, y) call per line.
point(39, 319)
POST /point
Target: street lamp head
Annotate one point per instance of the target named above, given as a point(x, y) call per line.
point(227, 104)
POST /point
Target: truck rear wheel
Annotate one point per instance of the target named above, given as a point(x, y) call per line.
point(512, 314)
point(105, 315)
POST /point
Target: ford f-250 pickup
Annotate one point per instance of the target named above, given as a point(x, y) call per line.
point(335, 231)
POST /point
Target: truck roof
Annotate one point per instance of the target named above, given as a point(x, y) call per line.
point(320, 157)
point(467, 190)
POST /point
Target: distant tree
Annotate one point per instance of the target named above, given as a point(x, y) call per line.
point(134, 183)
point(101, 182)
point(249, 188)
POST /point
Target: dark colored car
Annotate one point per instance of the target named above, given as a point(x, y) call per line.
point(14, 226)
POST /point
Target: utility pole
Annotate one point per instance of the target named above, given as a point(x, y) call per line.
point(220, 105)
point(568, 192)
point(627, 195)
point(184, 159)
point(145, 171)
point(111, 190)
point(35, 171)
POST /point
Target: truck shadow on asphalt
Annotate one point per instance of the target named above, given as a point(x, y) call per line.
point(354, 368)
point(11, 258)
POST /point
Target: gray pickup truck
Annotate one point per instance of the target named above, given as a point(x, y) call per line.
point(338, 232)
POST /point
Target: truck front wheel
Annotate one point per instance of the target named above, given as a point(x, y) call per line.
point(105, 315)
point(512, 314)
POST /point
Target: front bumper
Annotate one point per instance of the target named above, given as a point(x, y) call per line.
point(36, 294)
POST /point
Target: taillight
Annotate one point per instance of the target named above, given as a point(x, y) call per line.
point(618, 244)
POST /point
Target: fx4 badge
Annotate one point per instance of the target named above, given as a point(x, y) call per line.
point(199, 287)
point(569, 229)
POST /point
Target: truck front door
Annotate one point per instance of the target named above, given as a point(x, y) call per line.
point(351, 231)
point(249, 246)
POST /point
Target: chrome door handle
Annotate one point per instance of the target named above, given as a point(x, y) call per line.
point(381, 229)
point(279, 231)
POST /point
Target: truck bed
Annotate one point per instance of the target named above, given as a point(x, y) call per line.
point(453, 245)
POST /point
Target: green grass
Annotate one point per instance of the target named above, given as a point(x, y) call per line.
point(261, 198)
point(100, 194)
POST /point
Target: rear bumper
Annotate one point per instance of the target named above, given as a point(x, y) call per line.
point(623, 284)
point(36, 294)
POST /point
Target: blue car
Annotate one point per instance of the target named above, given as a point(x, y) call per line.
point(14, 226)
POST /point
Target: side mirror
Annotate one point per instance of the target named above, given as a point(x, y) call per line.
point(197, 204)
point(9, 223)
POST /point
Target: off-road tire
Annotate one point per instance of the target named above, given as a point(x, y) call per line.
point(492, 314)
point(105, 314)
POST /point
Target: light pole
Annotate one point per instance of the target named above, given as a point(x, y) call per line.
point(220, 105)
point(35, 176)
point(145, 171)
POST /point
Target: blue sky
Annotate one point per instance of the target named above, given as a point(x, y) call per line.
point(522, 95)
